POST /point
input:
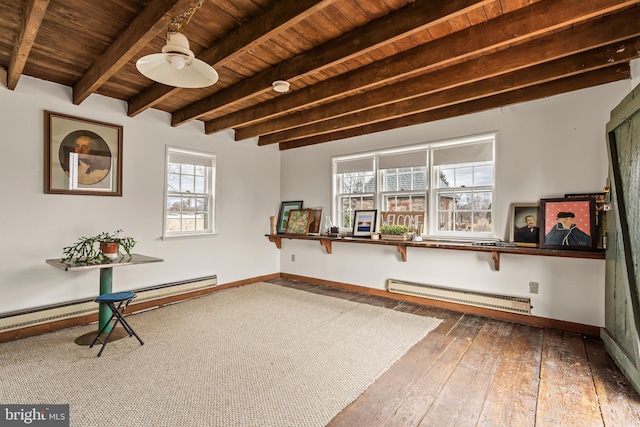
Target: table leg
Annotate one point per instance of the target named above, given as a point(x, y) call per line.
point(104, 314)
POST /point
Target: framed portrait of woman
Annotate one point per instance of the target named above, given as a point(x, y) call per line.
point(82, 156)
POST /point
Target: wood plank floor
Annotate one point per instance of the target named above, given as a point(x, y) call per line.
point(476, 371)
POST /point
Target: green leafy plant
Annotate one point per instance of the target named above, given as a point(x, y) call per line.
point(396, 230)
point(87, 249)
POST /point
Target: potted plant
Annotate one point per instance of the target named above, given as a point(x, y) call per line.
point(394, 232)
point(103, 247)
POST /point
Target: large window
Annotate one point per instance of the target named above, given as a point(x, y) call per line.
point(451, 182)
point(189, 193)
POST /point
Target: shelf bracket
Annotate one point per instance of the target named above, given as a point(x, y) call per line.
point(326, 243)
point(277, 240)
point(496, 260)
point(403, 251)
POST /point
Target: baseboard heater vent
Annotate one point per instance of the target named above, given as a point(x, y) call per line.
point(477, 299)
point(41, 315)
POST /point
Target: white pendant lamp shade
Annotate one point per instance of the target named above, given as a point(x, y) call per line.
point(177, 65)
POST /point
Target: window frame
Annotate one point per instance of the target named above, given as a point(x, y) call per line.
point(337, 196)
point(431, 190)
point(209, 194)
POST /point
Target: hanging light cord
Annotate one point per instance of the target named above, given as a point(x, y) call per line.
point(183, 19)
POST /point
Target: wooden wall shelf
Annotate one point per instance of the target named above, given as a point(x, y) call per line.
point(402, 246)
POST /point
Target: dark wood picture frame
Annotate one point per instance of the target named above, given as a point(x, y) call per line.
point(315, 222)
point(364, 222)
point(82, 156)
point(298, 222)
point(521, 232)
point(568, 223)
point(283, 214)
point(601, 214)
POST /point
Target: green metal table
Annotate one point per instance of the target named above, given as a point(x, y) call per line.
point(106, 280)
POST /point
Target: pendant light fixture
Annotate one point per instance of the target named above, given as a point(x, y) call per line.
point(177, 65)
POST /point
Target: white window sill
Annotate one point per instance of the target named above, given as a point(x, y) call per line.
point(188, 236)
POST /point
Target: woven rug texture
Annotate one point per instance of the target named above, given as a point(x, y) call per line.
point(256, 355)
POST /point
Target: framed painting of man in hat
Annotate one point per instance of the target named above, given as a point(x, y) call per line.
point(568, 223)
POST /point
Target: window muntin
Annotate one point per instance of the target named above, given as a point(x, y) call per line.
point(404, 202)
point(404, 179)
point(464, 197)
point(403, 189)
point(355, 184)
point(460, 204)
point(350, 204)
point(189, 193)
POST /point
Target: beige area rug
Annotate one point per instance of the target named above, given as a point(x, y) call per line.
point(257, 355)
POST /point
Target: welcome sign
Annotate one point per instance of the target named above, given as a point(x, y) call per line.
point(409, 218)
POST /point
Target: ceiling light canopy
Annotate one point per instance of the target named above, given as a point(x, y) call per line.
point(177, 65)
point(281, 86)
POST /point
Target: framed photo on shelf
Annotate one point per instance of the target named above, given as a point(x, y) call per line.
point(568, 223)
point(525, 228)
point(298, 222)
point(601, 214)
point(283, 215)
point(598, 197)
point(82, 156)
point(315, 222)
point(364, 223)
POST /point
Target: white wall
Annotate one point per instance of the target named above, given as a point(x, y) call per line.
point(35, 226)
point(546, 148)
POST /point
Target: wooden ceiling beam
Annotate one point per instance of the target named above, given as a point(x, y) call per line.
point(577, 64)
point(556, 87)
point(577, 39)
point(522, 24)
point(411, 19)
point(154, 19)
point(32, 19)
point(282, 14)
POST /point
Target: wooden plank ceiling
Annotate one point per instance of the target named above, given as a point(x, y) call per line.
point(355, 66)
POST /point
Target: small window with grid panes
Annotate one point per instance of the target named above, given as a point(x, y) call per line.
point(189, 193)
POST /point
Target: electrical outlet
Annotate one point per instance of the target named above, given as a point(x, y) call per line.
point(533, 287)
point(293, 257)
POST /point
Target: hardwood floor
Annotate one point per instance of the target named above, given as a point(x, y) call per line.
point(476, 371)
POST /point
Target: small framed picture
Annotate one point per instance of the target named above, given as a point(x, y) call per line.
point(298, 222)
point(598, 197)
point(82, 156)
point(568, 223)
point(525, 229)
point(364, 223)
point(316, 222)
point(601, 214)
point(283, 216)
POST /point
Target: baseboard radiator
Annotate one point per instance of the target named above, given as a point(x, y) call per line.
point(477, 299)
point(41, 315)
